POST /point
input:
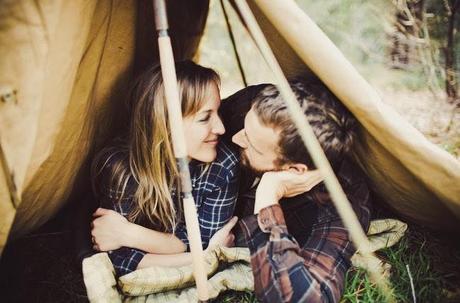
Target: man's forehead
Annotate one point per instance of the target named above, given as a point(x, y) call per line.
point(264, 138)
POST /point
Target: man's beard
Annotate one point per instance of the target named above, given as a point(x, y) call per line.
point(245, 162)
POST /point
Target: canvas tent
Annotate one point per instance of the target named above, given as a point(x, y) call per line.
point(64, 69)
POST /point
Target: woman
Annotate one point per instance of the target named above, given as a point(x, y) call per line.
point(138, 177)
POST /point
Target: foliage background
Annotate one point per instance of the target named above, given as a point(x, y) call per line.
point(363, 31)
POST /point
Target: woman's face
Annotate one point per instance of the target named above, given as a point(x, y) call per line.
point(202, 129)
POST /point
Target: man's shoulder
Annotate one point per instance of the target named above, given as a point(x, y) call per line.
point(350, 174)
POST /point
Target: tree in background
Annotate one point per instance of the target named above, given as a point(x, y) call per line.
point(407, 33)
point(425, 29)
point(451, 8)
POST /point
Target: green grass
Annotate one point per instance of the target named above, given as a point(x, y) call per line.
point(427, 282)
point(433, 263)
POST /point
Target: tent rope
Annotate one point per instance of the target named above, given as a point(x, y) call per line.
point(338, 196)
point(235, 49)
point(9, 176)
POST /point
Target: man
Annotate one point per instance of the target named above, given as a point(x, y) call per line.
point(300, 250)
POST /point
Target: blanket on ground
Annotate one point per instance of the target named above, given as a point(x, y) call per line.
point(228, 269)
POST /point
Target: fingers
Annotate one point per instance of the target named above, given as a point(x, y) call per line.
point(315, 178)
point(95, 222)
point(318, 178)
point(95, 245)
point(230, 224)
point(101, 211)
point(296, 184)
point(310, 179)
point(230, 240)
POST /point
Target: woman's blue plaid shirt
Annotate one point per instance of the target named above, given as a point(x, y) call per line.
point(214, 188)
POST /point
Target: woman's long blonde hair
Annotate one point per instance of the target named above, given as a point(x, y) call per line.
point(150, 159)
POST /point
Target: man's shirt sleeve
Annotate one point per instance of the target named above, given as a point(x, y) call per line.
point(280, 274)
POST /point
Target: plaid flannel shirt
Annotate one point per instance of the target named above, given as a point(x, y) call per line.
point(214, 188)
point(314, 270)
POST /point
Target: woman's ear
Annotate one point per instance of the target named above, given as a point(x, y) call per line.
point(299, 168)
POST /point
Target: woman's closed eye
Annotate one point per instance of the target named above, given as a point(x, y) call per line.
point(205, 118)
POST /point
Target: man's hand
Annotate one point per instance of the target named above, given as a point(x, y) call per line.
point(224, 236)
point(108, 229)
point(276, 185)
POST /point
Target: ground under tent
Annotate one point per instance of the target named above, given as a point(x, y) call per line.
point(66, 65)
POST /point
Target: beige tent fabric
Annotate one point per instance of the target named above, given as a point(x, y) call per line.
point(79, 77)
point(22, 66)
point(7, 210)
point(71, 63)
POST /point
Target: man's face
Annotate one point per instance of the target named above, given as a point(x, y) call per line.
point(259, 144)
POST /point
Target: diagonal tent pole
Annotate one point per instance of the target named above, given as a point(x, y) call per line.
point(168, 72)
point(338, 196)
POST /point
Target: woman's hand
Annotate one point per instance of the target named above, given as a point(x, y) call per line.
point(276, 185)
point(108, 230)
point(224, 236)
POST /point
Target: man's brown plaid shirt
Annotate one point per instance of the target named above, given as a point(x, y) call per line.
point(314, 270)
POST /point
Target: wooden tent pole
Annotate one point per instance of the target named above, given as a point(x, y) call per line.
point(177, 135)
point(338, 196)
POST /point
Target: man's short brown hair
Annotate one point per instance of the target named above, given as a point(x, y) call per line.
point(332, 123)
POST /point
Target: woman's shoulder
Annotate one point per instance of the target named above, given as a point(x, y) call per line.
point(225, 168)
point(227, 157)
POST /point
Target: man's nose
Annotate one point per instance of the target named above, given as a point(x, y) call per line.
point(238, 139)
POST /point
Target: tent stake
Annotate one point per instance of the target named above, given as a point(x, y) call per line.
point(177, 135)
point(338, 196)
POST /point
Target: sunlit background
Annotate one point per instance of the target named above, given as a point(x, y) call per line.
point(400, 47)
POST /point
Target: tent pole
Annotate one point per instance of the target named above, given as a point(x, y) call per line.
point(338, 196)
point(232, 38)
point(177, 135)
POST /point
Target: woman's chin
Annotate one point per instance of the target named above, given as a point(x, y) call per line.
point(206, 156)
